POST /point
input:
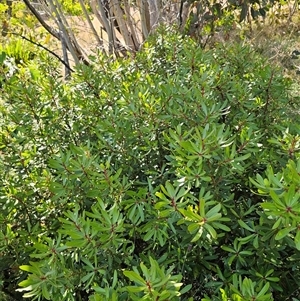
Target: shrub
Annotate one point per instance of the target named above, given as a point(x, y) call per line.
point(167, 177)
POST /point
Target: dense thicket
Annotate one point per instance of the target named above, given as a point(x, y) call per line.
point(173, 176)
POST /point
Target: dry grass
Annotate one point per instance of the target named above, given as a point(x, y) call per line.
point(276, 39)
point(277, 43)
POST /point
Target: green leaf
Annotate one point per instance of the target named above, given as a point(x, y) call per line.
point(276, 199)
point(170, 189)
point(2, 57)
point(193, 227)
point(246, 253)
point(231, 259)
point(246, 239)
point(245, 226)
point(291, 197)
point(198, 235)
point(273, 279)
point(87, 262)
point(213, 218)
point(211, 230)
point(213, 211)
point(297, 240)
point(270, 206)
point(221, 226)
point(202, 207)
point(191, 215)
point(76, 243)
point(277, 223)
point(225, 248)
point(164, 295)
point(162, 197)
point(255, 242)
point(135, 277)
point(283, 233)
point(186, 289)
point(145, 271)
point(224, 295)
point(27, 285)
point(149, 234)
point(242, 158)
point(135, 289)
point(31, 269)
point(263, 290)
point(87, 277)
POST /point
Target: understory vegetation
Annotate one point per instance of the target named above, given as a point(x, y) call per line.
point(173, 174)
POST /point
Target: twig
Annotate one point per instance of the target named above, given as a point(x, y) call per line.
point(268, 94)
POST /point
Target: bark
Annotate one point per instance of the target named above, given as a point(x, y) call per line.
point(124, 33)
point(98, 10)
point(79, 52)
point(145, 17)
point(119, 15)
point(153, 13)
point(60, 34)
point(64, 35)
point(99, 41)
point(66, 59)
point(51, 30)
point(132, 27)
point(184, 15)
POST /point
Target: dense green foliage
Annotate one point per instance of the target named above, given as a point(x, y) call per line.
point(173, 176)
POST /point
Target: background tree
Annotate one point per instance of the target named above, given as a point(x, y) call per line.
point(125, 25)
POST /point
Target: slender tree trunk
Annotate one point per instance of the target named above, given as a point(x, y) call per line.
point(64, 35)
point(66, 59)
point(132, 27)
point(51, 30)
point(99, 41)
point(145, 18)
point(125, 34)
point(61, 33)
point(153, 13)
point(119, 15)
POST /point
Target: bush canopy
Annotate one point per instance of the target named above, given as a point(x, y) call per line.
point(171, 176)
